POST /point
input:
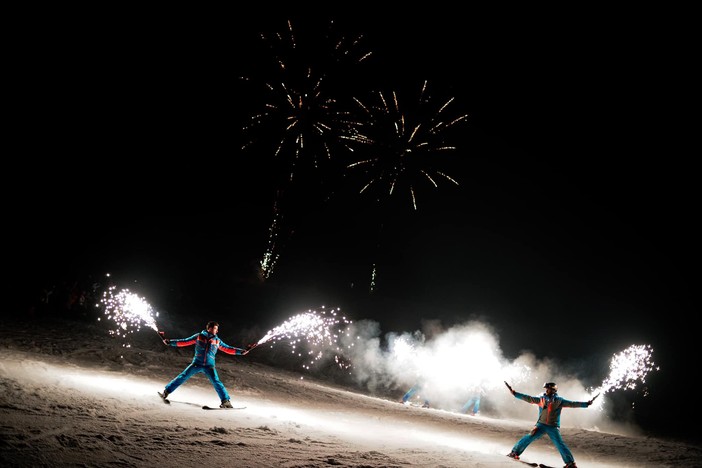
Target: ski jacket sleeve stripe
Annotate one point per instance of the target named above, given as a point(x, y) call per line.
point(573, 404)
point(528, 398)
point(182, 342)
point(225, 348)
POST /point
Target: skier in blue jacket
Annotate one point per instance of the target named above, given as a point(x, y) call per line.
point(207, 343)
point(549, 422)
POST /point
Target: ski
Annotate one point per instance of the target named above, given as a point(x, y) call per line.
point(218, 408)
point(538, 465)
point(528, 463)
point(415, 405)
point(165, 400)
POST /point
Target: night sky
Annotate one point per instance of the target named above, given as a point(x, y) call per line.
point(572, 232)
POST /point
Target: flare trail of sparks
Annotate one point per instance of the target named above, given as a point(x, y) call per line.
point(316, 331)
point(628, 368)
point(129, 311)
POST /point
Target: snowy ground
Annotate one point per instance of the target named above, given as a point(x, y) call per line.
point(71, 397)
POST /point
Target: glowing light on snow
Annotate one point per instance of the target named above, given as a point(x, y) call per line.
point(445, 354)
point(452, 366)
point(315, 331)
point(128, 310)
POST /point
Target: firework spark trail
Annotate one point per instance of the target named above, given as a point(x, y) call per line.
point(270, 257)
point(300, 116)
point(129, 311)
point(401, 147)
point(315, 330)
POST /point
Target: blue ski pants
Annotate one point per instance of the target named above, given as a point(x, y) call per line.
point(191, 370)
point(539, 430)
point(474, 402)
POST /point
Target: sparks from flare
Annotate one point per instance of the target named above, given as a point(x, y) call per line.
point(628, 368)
point(128, 310)
point(316, 331)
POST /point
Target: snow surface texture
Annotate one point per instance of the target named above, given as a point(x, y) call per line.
point(70, 396)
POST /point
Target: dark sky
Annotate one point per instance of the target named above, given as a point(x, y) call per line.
point(572, 231)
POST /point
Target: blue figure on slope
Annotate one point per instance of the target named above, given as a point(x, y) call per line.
point(472, 406)
point(410, 393)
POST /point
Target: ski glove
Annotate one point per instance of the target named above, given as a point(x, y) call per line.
point(593, 399)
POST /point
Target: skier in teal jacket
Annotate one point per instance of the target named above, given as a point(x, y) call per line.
point(549, 422)
point(207, 343)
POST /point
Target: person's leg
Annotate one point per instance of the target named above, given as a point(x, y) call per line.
point(524, 442)
point(409, 393)
point(182, 378)
point(555, 434)
point(467, 406)
point(476, 405)
point(211, 373)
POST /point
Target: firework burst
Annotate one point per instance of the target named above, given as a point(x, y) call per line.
point(300, 108)
point(404, 144)
point(129, 311)
point(299, 115)
point(312, 333)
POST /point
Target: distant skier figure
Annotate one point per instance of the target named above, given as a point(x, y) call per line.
point(410, 393)
point(549, 422)
point(207, 343)
point(472, 406)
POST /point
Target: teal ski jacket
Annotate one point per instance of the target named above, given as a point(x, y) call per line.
point(206, 347)
point(550, 406)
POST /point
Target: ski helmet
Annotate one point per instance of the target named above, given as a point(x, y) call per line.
point(551, 385)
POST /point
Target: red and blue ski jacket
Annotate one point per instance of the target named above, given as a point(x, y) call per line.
point(206, 346)
point(550, 406)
